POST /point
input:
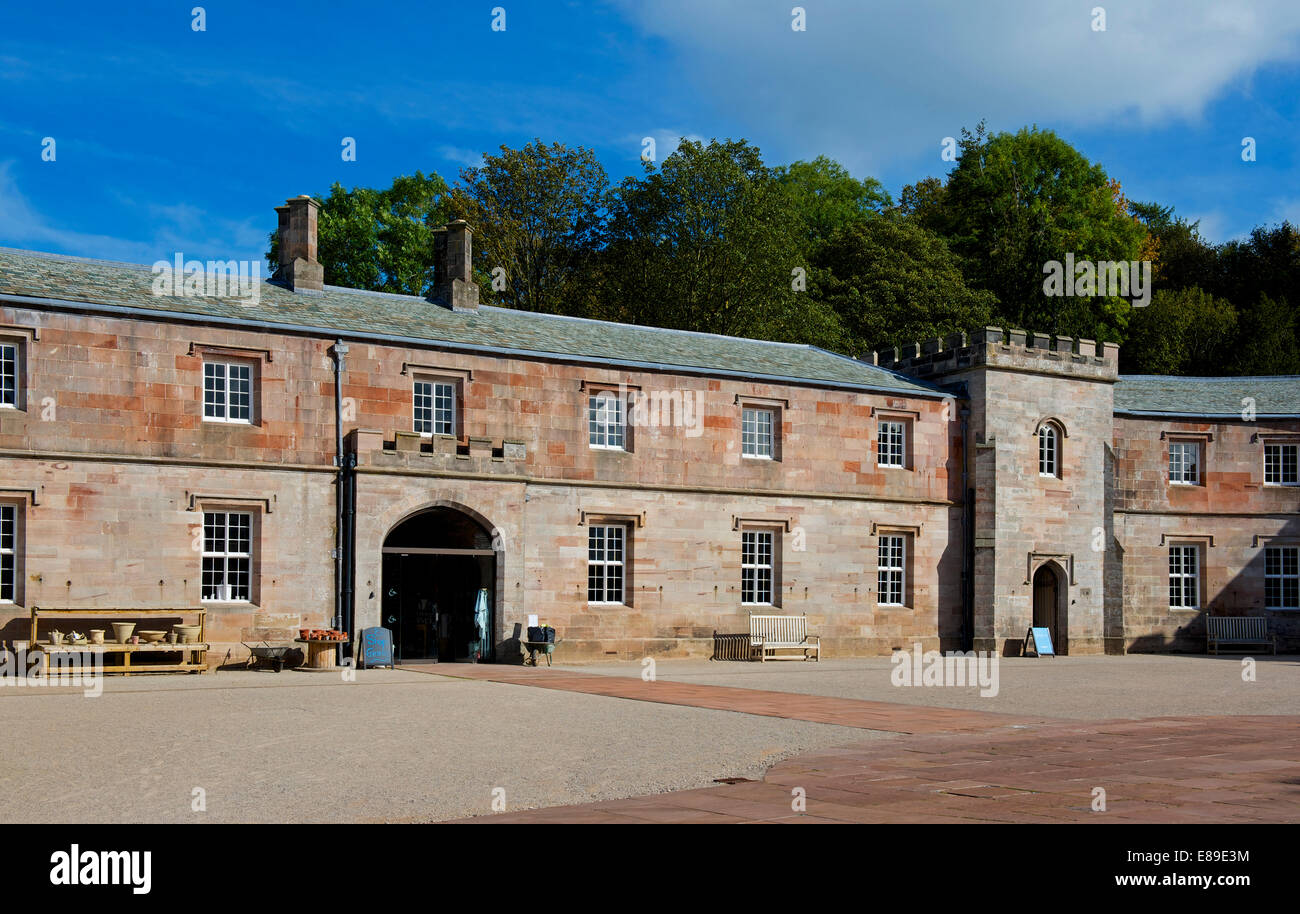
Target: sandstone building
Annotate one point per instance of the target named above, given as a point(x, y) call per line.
point(316, 456)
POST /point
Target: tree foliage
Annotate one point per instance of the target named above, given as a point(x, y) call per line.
point(711, 241)
point(381, 240)
point(717, 240)
point(537, 215)
point(891, 281)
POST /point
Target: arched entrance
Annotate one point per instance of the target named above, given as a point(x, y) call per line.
point(1049, 603)
point(435, 566)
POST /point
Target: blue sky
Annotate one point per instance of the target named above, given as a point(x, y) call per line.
point(168, 139)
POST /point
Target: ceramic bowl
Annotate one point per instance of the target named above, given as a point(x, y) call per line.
point(152, 637)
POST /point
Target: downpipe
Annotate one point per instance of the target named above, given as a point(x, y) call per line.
point(339, 351)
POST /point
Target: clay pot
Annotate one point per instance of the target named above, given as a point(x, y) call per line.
point(56, 637)
point(122, 631)
point(96, 636)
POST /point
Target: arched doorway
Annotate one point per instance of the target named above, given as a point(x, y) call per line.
point(1049, 603)
point(435, 566)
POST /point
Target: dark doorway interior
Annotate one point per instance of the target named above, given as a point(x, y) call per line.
point(1046, 601)
point(434, 566)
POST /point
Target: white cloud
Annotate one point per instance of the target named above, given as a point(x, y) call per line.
point(179, 228)
point(461, 156)
point(872, 82)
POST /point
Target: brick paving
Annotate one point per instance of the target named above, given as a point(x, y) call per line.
point(959, 766)
point(1163, 770)
point(844, 712)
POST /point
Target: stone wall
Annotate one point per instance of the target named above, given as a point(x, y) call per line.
point(111, 454)
point(1231, 516)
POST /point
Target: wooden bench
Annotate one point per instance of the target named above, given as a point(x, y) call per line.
point(1237, 630)
point(193, 654)
point(770, 634)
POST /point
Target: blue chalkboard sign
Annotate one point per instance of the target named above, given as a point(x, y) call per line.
point(1042, 641)
point(376, 647)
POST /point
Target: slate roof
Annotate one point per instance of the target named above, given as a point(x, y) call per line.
point(57, 280)
point(1207, 397)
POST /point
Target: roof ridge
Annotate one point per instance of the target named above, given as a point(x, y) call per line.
point(72, 258)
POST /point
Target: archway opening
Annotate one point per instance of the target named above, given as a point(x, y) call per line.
point(439, 588)
point(1049, 603)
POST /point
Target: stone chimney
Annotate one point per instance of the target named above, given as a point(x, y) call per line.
point(453, 281)
point(299, 268)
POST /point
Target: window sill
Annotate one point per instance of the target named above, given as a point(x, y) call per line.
point(767, 457)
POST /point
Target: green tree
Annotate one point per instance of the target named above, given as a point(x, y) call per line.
point(537, 214)
point(892, 281)
point(1016, 202)
point(379, 240)
point(711, 242)
point(1182, 257)
point(1267, 341)
point(1182, 332)
point(826, 196)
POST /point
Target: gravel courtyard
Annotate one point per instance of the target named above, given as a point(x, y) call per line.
point(396, 746)
point(417, 746)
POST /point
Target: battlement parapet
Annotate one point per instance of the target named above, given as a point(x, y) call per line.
point(1014, 350)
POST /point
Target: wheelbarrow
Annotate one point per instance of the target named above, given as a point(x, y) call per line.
point(266, 655)
point(538, 647)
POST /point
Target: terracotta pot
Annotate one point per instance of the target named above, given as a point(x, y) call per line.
point(122, 631)
point(97, 636)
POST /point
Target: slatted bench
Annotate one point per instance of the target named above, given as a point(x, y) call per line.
point(1237, 630)
point(770, 634)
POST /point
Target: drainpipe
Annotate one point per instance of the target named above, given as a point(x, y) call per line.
point(339, 351)
point(967, 551)
point(350, 545)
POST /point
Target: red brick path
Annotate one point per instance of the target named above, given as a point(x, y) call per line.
point(960, 766)
point(846, 712)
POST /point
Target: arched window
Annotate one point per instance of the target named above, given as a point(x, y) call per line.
point(1049, 450)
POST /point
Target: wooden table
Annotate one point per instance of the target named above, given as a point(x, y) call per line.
point(192, 655)
point(322, 653)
